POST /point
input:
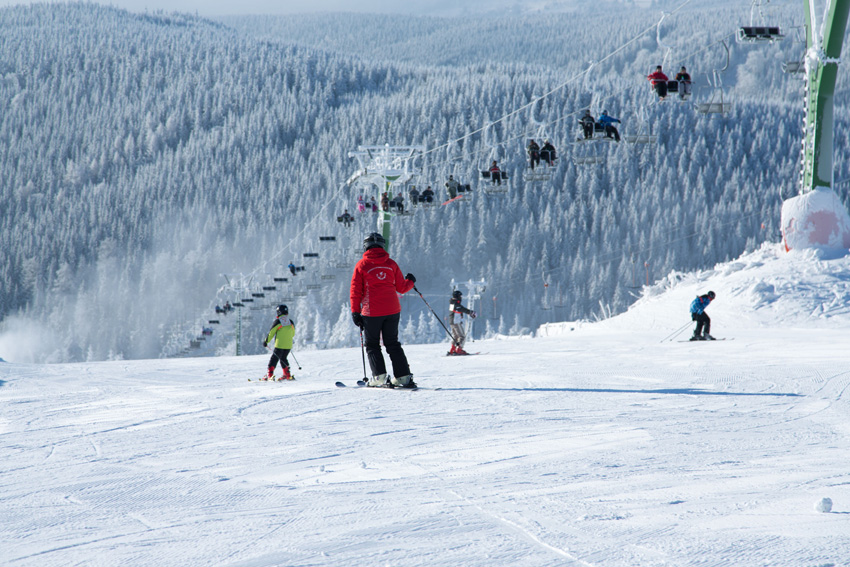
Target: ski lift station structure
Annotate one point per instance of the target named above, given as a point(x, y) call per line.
point(386, 168)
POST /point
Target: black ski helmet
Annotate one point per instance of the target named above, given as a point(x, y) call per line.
point(374, 240)
point(456, 294)
point(282, 310)
point(710, 294)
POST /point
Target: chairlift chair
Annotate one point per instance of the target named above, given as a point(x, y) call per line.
point(716, 103)
point(759, 34)
point(591, 155)
point(644, 134)
point(546, 164)
point(792, 67)
point(491, 187)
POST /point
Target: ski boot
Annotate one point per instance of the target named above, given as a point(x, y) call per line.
point(707, 337)
point(404, 381)
point(460, 351)
point(453, 351)
point(270, 375)
point(697, 337)
point(286, 374)
point(379, 381)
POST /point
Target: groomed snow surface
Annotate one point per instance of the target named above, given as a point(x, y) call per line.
point(591, 444)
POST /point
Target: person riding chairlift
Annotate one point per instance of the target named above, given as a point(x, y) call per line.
point(495, 173)
point(588, 123)
point(684, 80)
point(548, 153)
point(658, 80)
point(533, 153)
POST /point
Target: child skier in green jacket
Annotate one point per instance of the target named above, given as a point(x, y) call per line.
point(282, 331)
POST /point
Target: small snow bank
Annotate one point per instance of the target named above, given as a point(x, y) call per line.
point(558, 329)
point(765, 288)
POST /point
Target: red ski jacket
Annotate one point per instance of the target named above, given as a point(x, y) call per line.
point(657, 77)
point(376, 283)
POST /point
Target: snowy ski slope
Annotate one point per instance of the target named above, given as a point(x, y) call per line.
point(591, 444)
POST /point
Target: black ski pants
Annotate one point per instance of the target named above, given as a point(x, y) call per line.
point(279, 354)
point(387, 327)
point(703, 323)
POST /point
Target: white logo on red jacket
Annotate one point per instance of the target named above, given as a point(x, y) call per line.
point(382, 275)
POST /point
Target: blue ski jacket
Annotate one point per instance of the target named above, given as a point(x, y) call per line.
point(606, 120)
point(699, 304)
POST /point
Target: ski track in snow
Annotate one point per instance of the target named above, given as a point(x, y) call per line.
point(600, 446)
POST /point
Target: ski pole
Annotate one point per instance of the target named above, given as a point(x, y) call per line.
point(295, 359)
point(675, 333)
point(363, 352)
point(436, 316)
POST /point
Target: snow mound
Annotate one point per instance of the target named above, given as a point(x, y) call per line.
point(815, 219)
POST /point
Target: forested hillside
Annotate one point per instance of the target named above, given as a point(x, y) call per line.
point(142, 156)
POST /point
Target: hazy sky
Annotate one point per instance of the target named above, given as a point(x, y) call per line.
point(226, 7)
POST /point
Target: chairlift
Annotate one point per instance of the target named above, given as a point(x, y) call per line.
point(281, 279)
point(328, 277)
point(494, 178)
point(311, 254)
point(313, 286)
point(258, 295)
point(214, 322)
point(797, 65)
point(495, 182)
point(716, 103)
point(792, 67)
point(758, 34)
point(542, 166)
point(591, 153)
point(644, 134)
point(299, 294)
point(327, 239)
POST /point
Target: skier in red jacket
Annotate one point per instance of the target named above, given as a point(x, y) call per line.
point(659, 82)
point(375, 308)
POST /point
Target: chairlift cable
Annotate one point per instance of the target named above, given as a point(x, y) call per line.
point(549, 93)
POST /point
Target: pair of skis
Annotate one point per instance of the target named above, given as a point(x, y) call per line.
point(362, 384)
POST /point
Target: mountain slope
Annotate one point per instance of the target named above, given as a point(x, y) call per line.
point(602, 446)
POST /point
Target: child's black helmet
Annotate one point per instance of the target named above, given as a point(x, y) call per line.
point(374, 240)
point(456, 294)
point(282, 310)
point(710, 294)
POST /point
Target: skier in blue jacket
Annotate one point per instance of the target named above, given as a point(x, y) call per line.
point(698, 314)
point(608, 122)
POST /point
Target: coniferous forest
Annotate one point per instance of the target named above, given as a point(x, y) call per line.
point(145, 156)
